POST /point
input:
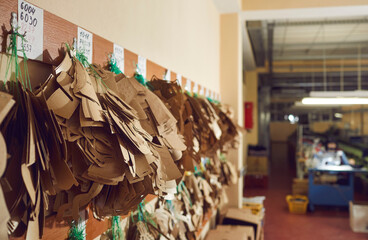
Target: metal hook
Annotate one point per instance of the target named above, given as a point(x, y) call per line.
point(75, 43)
point(73, 52)
point(14, 24)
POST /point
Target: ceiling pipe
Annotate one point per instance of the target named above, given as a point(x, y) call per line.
point(270, 30)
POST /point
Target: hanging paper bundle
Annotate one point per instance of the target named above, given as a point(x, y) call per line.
point(165, 220)
point(32, 127)
point(142, 226)
point(172, 95)
point(89, 137)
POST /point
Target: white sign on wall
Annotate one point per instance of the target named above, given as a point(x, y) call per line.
point(119, 56)
point(195, 88)
point(201, 92)
point(207, 93)
point(30, 22)
point(178, 77)
point(167, 76)
point(142, 66)
point(188, 85)
point(84, 43)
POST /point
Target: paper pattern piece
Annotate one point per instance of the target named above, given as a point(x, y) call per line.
point(84, 43)
point(119, 56)
point(30, 21)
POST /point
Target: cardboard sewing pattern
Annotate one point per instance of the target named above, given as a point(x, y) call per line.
point(204, 126)
point(90, 137)
point(6, 104)
point(182, 216)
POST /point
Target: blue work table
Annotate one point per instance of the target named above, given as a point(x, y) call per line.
point(332, 194)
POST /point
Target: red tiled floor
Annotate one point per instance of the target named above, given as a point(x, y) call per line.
point(323, 224)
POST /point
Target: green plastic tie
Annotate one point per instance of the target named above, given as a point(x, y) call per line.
point(76, 232)
point(222, 158)
point(13, 50)
point(181, 188)
point(117, 232)
point(113, 65)
point(140, 79)
point(84, 60)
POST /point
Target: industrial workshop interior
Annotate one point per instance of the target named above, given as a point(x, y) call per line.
point(172, 119)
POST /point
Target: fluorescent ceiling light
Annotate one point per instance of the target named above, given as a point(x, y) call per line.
point(300, 106)
point(338, 115)
point(334, 94)
point(334, 101)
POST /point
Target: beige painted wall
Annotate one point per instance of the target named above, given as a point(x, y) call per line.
point(287, 4)
point(321, 127)
point(281, 131)
point(231, 89)
point(355, 119)
point(183, 36)
point(251, 95)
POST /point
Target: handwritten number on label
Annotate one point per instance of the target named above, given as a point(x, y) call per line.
point(25, 17)
point(27, 8)
point(27, 47)
point(28, 13)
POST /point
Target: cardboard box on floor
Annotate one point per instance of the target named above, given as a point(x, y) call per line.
point(300, 186)
point(358, 216)
point(227, 232)
point(257, 165)
point(234, 229)
point(244, 217)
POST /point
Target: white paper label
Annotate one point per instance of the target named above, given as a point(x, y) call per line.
point(142, 63)
point(84, 43)
point(178, 78)
point(30, 22)
point(188, 85)
point(119, 56)
point(167, 76)
point(195, 88)
point(201, 92)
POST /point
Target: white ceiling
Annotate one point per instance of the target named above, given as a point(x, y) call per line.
point(227, 6)
point(305, 34)
point(320, 38)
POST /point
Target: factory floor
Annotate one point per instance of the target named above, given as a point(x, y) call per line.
point(324, 223)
